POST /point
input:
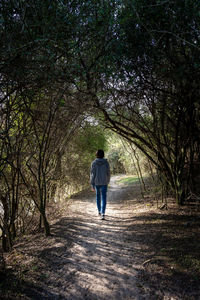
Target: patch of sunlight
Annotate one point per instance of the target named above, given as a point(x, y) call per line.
point(128, 180)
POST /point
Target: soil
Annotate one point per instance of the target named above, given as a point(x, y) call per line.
point(138, 252)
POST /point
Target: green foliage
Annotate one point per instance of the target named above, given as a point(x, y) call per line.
point(89, 139)
point(115, 154)
point(78, 155)
point(121, 156)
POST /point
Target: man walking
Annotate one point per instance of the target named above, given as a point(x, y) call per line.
point(99, 179)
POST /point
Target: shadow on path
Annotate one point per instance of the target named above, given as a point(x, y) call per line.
point(88, 258)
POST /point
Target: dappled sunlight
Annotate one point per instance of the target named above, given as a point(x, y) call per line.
point(90, 258)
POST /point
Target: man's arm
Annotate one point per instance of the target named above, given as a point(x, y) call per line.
point(108, 173)
point(92, 175)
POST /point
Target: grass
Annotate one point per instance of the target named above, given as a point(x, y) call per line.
point(128, 180)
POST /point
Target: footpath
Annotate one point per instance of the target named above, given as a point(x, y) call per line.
point(122, 257)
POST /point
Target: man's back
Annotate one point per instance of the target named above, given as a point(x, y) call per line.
point(100, 172)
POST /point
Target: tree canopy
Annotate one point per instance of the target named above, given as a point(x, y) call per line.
point(132, 65)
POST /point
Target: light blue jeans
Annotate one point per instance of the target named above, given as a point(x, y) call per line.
point(101, 195)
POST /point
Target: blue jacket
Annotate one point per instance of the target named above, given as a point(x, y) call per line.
point(100, 172)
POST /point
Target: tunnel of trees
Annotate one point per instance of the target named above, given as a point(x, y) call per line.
point(71, 69)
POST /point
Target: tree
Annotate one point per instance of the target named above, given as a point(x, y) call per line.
point(152, 96)
point(79, 154)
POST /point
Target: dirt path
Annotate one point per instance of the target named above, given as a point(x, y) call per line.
point(102, 257)
point(102, 261)
point(92, 259)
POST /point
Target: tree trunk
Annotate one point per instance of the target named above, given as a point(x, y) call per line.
point(6, 242)
point(180, 196)
point(46, 224)
point(6, 236)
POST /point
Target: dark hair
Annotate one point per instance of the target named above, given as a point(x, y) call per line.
point(100, 153)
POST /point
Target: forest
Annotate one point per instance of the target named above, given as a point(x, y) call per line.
point(76, 76)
